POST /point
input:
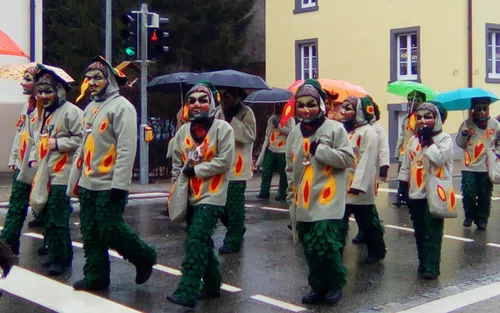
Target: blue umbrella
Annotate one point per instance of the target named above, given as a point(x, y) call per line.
point(275, 95)
point(170, 82)
point(460, 99)
point(231, 78)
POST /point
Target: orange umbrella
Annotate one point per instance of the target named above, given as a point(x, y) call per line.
point(9, 46)
point(343, 88)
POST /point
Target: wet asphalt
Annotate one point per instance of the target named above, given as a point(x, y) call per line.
point(272, 265)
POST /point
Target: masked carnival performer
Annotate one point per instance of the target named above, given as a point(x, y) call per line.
point(318, 152)
point(272, 156)
point(107, 157)
point(362, 175)
point(60, 135)
point(242, 120)
point(431, 151)
point(204, 151)
point(27, 126)
point(474, 136)
point(414, 98)
point(383, 155)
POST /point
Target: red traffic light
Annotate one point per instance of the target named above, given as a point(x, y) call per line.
point(154, 36)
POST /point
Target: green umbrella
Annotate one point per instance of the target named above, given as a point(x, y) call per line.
point(403, 88)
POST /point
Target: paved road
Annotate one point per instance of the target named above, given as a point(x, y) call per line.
point(270, 273)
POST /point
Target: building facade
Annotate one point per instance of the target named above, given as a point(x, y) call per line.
point(444, 44)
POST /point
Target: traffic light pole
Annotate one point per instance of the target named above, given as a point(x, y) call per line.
point(144, 148)
point(108, 36)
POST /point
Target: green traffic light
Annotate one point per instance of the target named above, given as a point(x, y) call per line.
point(130, 51)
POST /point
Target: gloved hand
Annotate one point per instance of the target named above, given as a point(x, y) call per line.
point(313, 147)
point(425, 136)
point(354, 191)
point(189, 171)
point(118, 194)
point(276, 123)
point(383, 172)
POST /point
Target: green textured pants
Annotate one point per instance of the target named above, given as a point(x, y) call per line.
point(369, 224)
point(18, 208)
point(233, 216)
point(200, 261)
point(102, 227)
point(476, 195)
point(58, 210)
point(323, 242)
point(428, 236)
point(273, 162)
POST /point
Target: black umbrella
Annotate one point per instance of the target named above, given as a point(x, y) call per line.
point(170, 82)
point(231, 78)
point(274, 95)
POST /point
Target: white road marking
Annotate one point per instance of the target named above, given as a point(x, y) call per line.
point(278, 303)
point(249, 206)
point(457, 301)
point(496, 245)
point(159, 267)
point(55, 295)
point(274, 209)
point(134, 196)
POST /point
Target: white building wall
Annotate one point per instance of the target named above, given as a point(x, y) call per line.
point(15, 22)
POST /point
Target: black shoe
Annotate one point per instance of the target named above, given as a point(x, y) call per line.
point(421, 269)
point(143, 274)
point(289, 226)
point(358, 239)
point(280, 198)
point(263, 197)
point(481, 226)
point(397, 204)
point(226, 250)
point(47, 264)
point(429, 276)
point(185, 228)
point(181, 301)
point(35, 223)
point(468, 222)
point(205, 294)
point(81, 285)
point(313, 298)
point(333, 296)
point(164, 213)
point(44, 250)
point(371, 259)
point(56, 269)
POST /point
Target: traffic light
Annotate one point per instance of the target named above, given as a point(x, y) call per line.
point(157, 37)
point(130, 36)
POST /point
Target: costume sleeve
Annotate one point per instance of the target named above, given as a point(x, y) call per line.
point(337, 153)
point(224, 159)
point(244, 129)
point(269, 129)
point(404, 171)
point(400, 142)
point(289, 169)
point(497, 142)
point(74, 125)
point(290, 124)
point(462, 140)
point(177, 162)
point(440, 152)
point(366, 168)
point(125, 127)
point(383, 147)
point(14, 151)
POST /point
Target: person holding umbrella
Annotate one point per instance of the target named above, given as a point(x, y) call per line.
point(475, 135)
point(272, 155)
point(430, 152)
point(242, 120)
point(318, 152)
point(408, 130)
point(26, 128)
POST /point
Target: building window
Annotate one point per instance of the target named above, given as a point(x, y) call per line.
point(306, 59)
point(492, 53)
point(405, 54)
point(302, 6)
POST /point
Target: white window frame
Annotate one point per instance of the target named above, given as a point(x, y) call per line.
point(311, 58)
point(408, 59)
point(495, 72)
point(308, 4)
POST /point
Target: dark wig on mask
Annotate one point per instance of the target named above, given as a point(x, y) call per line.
point(32, 70)
point(98, 66)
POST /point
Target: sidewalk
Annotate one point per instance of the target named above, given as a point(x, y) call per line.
point(163, 186)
